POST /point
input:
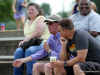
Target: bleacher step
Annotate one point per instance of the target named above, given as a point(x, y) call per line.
point(10, 58)
point(12, 33)
point(8, 45)
point(12, 38)
point(6, 67)
point(7, 57)
point(9, 41)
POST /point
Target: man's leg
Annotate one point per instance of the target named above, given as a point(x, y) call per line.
point(48, 69)
point(77, 70)
point(87, 67)
point(60, 71)
point(38, 68)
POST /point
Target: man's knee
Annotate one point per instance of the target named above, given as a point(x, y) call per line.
point(76, 68)
point(47, 67)
point(56, 70)
point(36, 66)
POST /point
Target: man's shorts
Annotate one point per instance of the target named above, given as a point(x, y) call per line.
point(88, 67)
point(18, 16)
point(69, 70)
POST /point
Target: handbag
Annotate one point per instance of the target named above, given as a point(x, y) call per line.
point(31, 42)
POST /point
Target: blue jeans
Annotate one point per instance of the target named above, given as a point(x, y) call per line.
point(20, 53)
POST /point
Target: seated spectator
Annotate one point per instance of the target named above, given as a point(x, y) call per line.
point(34, 27)
point(52, 46)
point(87, 19)
point(86, 59)
point(75, 8)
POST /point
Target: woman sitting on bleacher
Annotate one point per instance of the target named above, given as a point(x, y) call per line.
point(34, 27)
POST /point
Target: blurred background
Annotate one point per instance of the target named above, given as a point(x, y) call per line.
point(61, 7)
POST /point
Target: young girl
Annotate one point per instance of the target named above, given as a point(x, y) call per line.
point(19, 8)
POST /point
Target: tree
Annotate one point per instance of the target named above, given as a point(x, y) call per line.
point(6, 13)
point(5, 10)
point(63, 14)
point(97, 2)
point(46, 9)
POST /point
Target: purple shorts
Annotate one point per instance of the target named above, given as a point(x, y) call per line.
point(18, 16)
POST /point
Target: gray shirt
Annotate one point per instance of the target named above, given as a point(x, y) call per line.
point(90, 22)
point(83, 40)
point(18, 8)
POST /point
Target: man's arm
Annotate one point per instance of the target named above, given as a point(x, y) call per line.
point(64, 55)
point(81, 56)
point(27, 59)
point(94, 24)
point(18, 62)
point(94, 33)
point(40, 54)
point(55, 52)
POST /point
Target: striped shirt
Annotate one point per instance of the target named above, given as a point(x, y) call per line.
point(54, 44)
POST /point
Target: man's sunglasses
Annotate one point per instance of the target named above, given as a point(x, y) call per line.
point(50, 23)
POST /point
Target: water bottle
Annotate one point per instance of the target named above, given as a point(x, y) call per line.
point(2, 26)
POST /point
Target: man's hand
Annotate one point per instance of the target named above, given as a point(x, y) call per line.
point(57, 64)
point(94, 33)
point(17, 63)
point(46, 46)
point(63, 41)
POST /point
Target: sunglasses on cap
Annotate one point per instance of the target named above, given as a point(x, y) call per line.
point(50, 23)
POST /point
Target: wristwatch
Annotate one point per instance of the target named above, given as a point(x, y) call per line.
point(49, 51)
point(65, 64)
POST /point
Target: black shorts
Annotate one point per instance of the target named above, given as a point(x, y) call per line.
point(88, 67)
point(69, 70)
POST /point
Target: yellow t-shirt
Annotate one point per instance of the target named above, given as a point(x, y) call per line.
point(29, 30)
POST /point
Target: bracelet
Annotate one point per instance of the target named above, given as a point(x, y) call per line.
point(49, 51)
